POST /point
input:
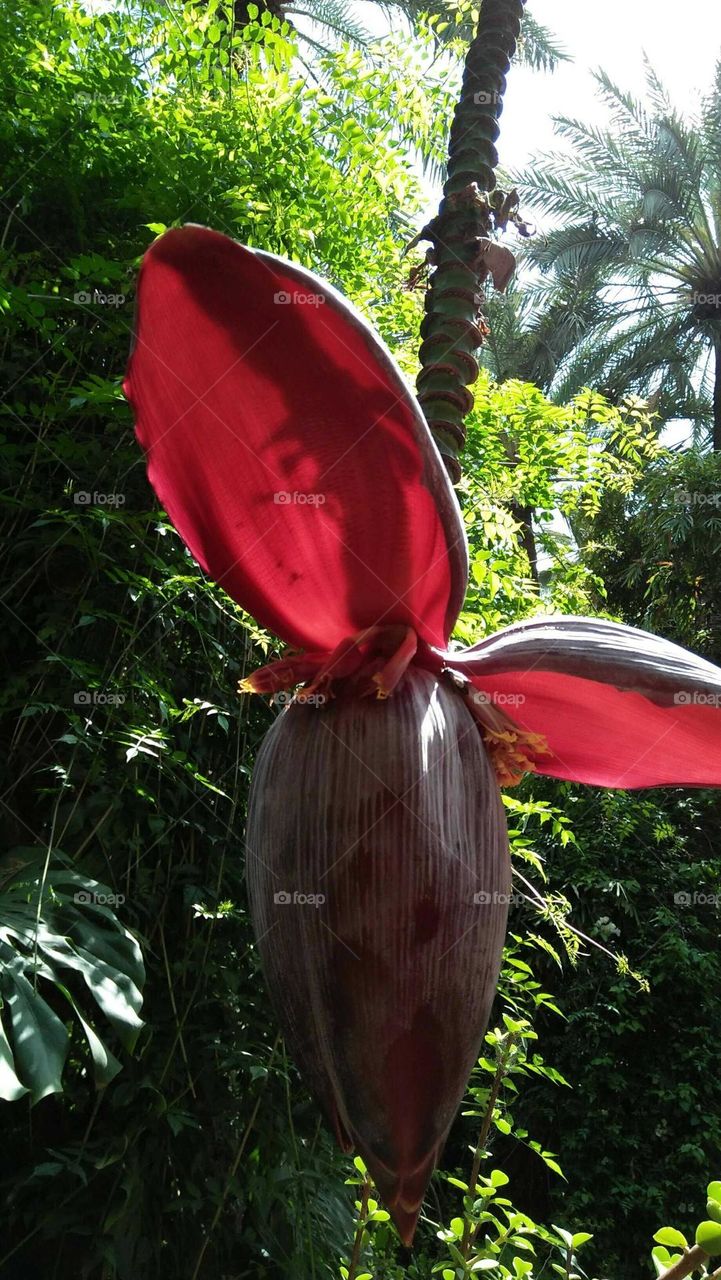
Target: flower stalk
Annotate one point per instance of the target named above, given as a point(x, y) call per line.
point(463, 253)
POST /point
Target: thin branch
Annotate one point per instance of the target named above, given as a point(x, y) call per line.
point(691, 1260)
point(470, 1233)
point(360, 1229)
point(234, 1167)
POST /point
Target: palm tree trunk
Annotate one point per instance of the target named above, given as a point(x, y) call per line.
point(240, 10)
point(717, 394)
point(452, 328)
point(526, 536)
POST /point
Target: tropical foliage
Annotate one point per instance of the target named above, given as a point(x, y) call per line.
point(173, 1137)
point(451, 21)
point(639, 254)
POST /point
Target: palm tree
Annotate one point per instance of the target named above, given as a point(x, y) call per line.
point(341, 20)
point(535, 326)
point(640, 210)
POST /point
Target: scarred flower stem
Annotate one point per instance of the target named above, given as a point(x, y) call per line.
point(453, 327)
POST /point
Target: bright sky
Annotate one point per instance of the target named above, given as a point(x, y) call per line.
point(682, 42)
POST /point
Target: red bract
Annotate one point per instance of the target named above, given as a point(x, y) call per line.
point(294, 461)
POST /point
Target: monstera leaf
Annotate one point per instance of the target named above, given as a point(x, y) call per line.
point(59, 941)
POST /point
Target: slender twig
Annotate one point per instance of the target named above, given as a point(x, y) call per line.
point(174, 1006)
point(298, 1165)
point(469, 1232)
point(234, 1167)
point(569, 1261)
point(41, 888)
point(103, 818)
point(360, 1229)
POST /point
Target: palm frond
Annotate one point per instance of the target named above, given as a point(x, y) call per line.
point(538, 47)
point(625, 109)
point(336, 22)
point(550, 185)
point(656, 90)
point(454, 26)
point(574, 249)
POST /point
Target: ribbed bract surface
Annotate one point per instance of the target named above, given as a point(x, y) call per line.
point(373, 829)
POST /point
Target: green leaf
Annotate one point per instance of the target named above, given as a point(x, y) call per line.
point(670, 1236)
point(10, 1087)
point(40, 1039)
point(662, 1259)
point(708, 1237)
point(105, 1064)
point(566, 1236)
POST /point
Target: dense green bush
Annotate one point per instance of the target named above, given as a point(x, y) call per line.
point(127, 752)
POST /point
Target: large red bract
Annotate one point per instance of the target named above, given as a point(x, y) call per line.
point(293, 459)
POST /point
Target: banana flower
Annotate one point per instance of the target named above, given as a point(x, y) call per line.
point(294, 461)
